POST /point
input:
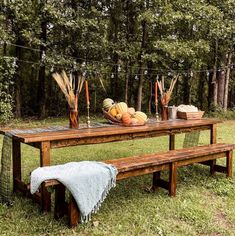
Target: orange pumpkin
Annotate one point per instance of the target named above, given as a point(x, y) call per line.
point(126, 118)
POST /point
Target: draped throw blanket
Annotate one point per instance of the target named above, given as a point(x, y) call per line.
point(88, 181)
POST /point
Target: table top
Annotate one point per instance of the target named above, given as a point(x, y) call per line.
point(67, 134)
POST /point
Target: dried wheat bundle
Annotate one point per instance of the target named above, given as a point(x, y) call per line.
point(67, 86)
point(166, 95)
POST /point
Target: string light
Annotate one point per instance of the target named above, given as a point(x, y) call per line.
point(84, 73)
point(145, 72)
point(52, 69)
point(169, 74)
point(14, 65)
point(191, 73)
point(43, 58)
point(108, 63)
point(112, 75)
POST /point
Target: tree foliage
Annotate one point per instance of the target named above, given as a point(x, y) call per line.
point(122, 46)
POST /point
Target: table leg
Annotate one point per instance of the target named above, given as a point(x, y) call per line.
point(212, 141)
point(172, 142)
point(229, 164)
point(45, 161)
point(16, 158)
point(173, 179)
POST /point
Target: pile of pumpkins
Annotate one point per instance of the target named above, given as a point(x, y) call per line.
point(124, 114)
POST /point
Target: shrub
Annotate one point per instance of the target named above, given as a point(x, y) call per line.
point(7, 70)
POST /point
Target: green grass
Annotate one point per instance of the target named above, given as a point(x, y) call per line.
point(204, 205)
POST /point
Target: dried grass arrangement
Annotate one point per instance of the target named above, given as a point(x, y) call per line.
point(71, 87)
point(166, 95)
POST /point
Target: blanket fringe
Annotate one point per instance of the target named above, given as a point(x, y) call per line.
point(111, 184)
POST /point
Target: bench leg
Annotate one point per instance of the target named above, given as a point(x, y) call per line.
point(60, 205)
point(212, 166)
point(229, 164)
point(156, 178)
point(172, 179)
point(73, 213)
point(45, 199)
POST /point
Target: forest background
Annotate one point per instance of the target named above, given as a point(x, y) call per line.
point(121, 47)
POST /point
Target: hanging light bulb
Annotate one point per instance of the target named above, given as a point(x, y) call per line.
point(207, 73)
point(136, 77)
point(84, 64)
point(112, 75)
point(43, 56)
point(74, 65)
point(145, 72)
point(14, 62)
point(191, 73)
point(52, 69)
point(119, 68)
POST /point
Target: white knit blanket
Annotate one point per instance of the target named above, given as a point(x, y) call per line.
point(88, 181)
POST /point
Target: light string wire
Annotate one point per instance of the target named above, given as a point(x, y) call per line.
point(169, 72)
point(189, 72)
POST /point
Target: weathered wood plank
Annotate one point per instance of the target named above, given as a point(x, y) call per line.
point(176, 125)
point(129, 167)
point(150, 163)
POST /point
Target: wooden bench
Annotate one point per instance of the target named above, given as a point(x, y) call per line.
point(151, 163)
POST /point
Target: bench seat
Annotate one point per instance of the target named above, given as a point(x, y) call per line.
point(152, 163)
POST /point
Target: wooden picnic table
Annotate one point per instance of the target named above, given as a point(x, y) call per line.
point(45, 141)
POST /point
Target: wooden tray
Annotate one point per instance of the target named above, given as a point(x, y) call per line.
point(115, 121)
point(190, 115)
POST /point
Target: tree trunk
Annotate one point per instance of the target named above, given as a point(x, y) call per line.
point(141, 70)
point(126, 82)
point(41, 100)
point(220, 92)
point(114, 83)
point(201, 93)
point(210, 92)
point(227, 78)
point(214, 80)
point(18, 80)
point(150, 96)
point(186, 89)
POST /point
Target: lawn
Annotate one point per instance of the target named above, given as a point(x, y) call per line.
point(204, 205)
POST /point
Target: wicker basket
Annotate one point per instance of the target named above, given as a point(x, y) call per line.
point(190, 115)
point(110, 118)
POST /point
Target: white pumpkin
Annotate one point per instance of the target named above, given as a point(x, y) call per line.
point(108, 103)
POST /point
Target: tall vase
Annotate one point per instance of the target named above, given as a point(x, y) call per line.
point(73, 119)
point(164, 112)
